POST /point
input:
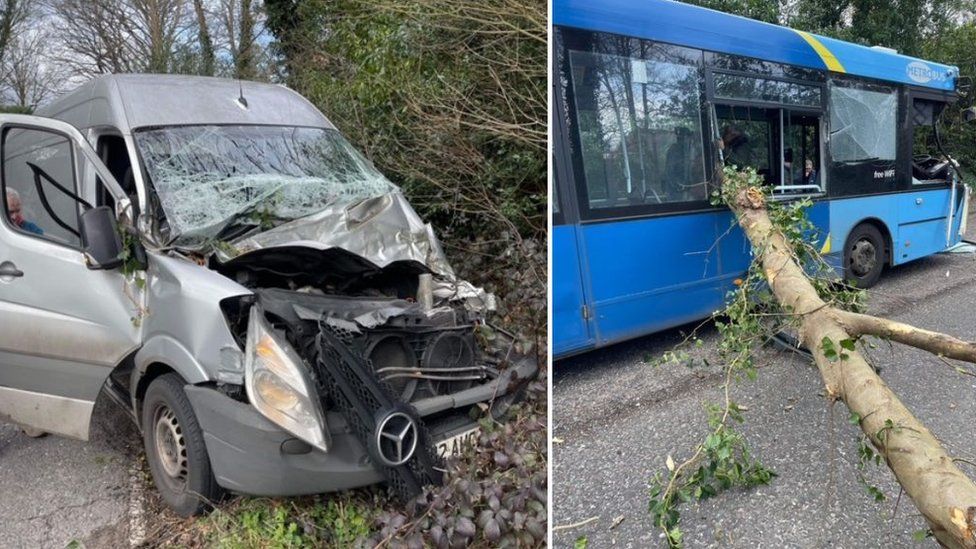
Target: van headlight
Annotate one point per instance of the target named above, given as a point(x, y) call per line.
point(278, 385)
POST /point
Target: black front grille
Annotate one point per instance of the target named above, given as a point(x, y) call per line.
point(347, 378)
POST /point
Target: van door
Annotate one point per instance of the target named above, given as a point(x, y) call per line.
point(63, 326)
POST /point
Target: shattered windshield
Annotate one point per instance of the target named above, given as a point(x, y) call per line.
point(210, 178)
point(863, 124)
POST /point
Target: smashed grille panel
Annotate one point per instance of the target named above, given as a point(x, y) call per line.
point(347, 377)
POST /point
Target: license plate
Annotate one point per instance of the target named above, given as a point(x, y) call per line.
point(455, 445)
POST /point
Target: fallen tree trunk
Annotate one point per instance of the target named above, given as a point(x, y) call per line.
point(941, 492)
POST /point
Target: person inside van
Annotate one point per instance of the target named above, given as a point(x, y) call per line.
point(15, 213)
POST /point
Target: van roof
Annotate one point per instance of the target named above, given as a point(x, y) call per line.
point(131, 101)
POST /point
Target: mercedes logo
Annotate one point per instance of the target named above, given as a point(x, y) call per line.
point(396, 439)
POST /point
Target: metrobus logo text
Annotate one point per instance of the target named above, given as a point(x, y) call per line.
point(922, 73)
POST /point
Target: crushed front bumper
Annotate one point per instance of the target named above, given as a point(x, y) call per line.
point(251, 455)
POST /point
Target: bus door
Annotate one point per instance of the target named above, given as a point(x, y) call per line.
point(931, 212)
point(635, 132)
point(784, 147)
point(803, 175)
point(571, 317)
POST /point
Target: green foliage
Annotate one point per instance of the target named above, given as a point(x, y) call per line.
point(832, 352)
point(424, 88)
point(725, 463)
point(131, 268)
point(750, 317)
point(920, 535)
point(953, 45)
point(279, 524)
point(762, 10)
point(345, 523)
point(256, 523)
point(900, 24)
point(866, 455)
point(448, 99)
point(16, 109)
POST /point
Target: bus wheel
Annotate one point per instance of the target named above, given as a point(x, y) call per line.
point(864, 256)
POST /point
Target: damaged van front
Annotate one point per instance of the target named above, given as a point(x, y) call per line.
point(299, 328)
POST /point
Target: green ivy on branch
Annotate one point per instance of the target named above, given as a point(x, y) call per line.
point(749, 320)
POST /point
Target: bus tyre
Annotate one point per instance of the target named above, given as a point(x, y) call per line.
point(864, 256)
point(175, 448)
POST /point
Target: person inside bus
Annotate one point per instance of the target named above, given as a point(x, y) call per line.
point(809, 175)
point(735, 144)
point(683, 177)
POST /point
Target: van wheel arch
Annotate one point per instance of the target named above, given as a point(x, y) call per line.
point(141, 383)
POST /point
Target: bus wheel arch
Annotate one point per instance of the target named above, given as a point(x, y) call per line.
point(867, 250)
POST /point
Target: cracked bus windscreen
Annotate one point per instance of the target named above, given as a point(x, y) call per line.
point(863, 138)
point(209, 178)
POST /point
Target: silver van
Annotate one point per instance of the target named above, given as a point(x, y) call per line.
point(216, 258)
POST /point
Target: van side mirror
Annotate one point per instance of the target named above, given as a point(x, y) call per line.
point(969, 115)
point(100, 237)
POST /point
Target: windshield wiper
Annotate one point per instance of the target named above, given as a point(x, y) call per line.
point(239, 224)
point(235, 229)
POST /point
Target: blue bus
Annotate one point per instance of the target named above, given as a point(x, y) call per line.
point(643, 90)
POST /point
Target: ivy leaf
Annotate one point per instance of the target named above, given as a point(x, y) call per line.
point(920, 535)
point(829, 351)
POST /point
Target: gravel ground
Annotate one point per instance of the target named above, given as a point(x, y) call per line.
point(619, 418)
point(58, 490)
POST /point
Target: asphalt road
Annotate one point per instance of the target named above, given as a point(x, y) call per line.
point(55, 490)
point(619, 418)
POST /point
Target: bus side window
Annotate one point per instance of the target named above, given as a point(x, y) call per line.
point(749, 139)
point(801, 155)
point(639, 125)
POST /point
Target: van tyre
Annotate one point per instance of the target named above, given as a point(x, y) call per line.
point(175, 448)
point(864, 256)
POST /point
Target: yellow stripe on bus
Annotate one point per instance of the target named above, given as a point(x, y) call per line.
point(828, 58)
point(826, 246)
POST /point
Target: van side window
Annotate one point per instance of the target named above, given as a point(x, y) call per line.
point(112, 153)
point(28, 155)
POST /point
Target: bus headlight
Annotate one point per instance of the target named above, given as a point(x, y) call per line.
point(278, 385)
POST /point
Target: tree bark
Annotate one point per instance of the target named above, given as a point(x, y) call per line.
point(245, 61)
point(208, 59)
point(941, 492)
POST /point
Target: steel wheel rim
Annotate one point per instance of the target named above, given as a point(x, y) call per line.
point(863, 257)
point(170, 444)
